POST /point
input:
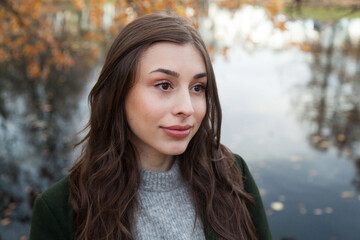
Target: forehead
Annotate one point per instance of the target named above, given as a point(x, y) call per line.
point(173, 55)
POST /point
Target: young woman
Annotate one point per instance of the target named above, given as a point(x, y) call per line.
point(152, 165)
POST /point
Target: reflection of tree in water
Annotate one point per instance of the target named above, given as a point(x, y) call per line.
point(37, 116)
point(36, 128)
point(331, 99)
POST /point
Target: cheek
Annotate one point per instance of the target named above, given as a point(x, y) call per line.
point(144, 109)
point(152, 108)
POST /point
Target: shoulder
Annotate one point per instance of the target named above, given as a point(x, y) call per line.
point(257, 211)
point(240, 161)
point(58, 195)
point(58, 189)
point(249, 183)
point(244, 170)
point(53, 213)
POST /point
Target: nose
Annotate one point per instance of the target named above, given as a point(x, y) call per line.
point(183, 105)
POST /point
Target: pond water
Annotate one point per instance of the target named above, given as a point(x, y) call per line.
point(307, 193)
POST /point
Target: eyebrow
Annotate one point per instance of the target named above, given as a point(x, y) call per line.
point(167, 72)
point(177, 75)
point(200, 75)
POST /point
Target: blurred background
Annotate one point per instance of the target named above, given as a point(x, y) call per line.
point(288, 74)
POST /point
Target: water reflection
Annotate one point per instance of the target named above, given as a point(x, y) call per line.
point(37, 125)
point(303, 176)
point(330, 100)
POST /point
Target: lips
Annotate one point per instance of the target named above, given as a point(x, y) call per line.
point(177, 131)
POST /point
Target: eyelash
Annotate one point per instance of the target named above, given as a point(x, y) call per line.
point(202, 88)
point(161, 85)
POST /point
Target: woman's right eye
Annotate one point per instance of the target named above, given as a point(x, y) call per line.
point(163, 86)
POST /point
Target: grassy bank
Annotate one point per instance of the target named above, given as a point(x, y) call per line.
point(323, 14)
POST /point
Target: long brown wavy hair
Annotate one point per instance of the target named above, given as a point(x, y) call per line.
point(105, 179)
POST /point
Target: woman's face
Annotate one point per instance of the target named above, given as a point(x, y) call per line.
point(167, 103)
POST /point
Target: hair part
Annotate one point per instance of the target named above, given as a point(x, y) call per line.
point(105, 179)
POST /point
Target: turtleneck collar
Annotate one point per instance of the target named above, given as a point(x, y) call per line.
point(161, 181)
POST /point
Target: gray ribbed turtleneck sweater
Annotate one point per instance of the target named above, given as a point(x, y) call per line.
point(165, 208)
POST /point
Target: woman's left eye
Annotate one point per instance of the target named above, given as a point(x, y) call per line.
point(199, 88)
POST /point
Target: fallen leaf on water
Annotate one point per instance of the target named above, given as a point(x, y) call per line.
point(5, 221)
point(329, 210)
point(318, 211)
point(324, 144)
point(7, 211)
point(341, 137)
point(277, 206)
point(295, 158)
point(305, 47)
point(347, 194)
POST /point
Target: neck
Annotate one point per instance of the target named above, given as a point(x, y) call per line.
point(156, 163)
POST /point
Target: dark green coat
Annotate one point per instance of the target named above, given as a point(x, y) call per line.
point(53, 215)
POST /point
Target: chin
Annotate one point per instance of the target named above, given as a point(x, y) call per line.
point(176, 151)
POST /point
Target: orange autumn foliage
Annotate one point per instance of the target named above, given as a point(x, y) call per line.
point(275, 6)
point(46, 34)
